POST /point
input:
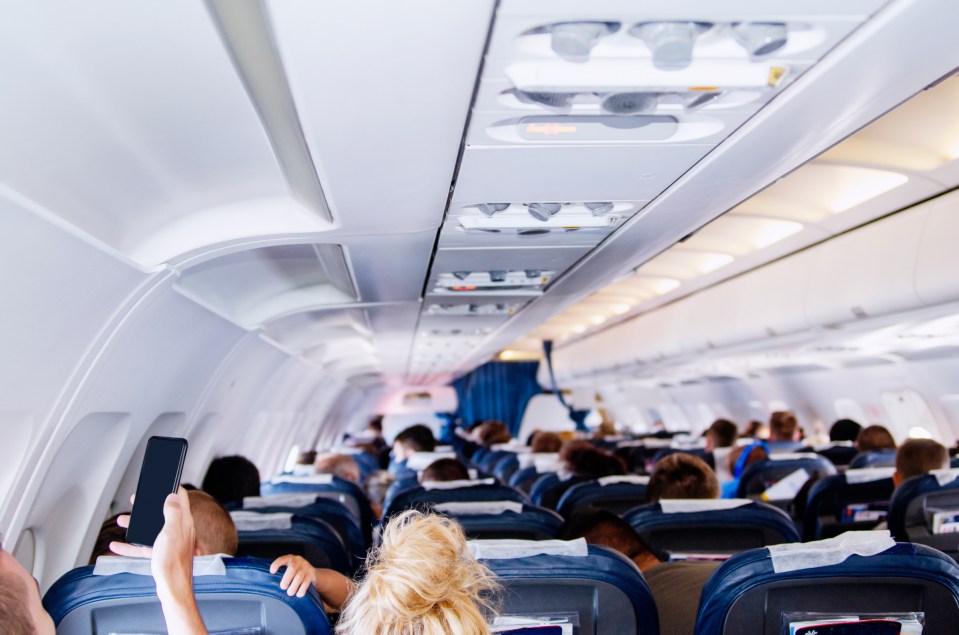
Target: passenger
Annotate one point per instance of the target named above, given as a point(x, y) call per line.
point(231, 478)
point(756, 430)
point(545, 442)
point(918, 456)
point(875, 437)
point(844, 430)
point(584, 461)
point(215, 530)
point(720, 438)
point(490, 433)
point(783, 427)
point(339, 465)
point(739, 458)
point(418, 438)
point(682, 476)
point(605, 429)
point(676, 586)
point(445, 470)
point(306, 458)
point(421, 580)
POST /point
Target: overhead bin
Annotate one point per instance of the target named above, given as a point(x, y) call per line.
point(938, 259)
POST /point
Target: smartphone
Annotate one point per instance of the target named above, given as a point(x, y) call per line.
point(159, 477)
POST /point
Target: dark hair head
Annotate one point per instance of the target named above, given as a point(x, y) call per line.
point(445, 470)
point(489, 433)
point(376, 423)
point(783, 426)
point(418, 438)
point(602, 527)
point(586, 461)
point(231, 478)
point(682, 475)
point(918, 456)
point(545, 442)
point(753, 429)
point(723, 433)
point(14, 610)
point(844, 430)
point(306, 458)
point(875, 438)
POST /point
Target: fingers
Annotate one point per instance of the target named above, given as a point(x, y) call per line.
point(301, 584)
point(296, 584)
point(184, 499)
point(172, 509)
point(287, 578)
point(279, 562)
point(133, 551)
point(123, 520)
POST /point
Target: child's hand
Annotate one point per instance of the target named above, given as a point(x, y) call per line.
point(299, 577)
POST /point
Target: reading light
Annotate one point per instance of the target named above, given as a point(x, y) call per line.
point(629, 103)
point(670, 42)
point(543, 211)
point(599, 209)
point(696, 100)
point(497, 276)
point(553, 100)
point(760, 38)
point(576, 39)
point(461, 275)
point(491, 208)
point(533, 273)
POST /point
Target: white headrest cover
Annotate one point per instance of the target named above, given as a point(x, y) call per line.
point(202, 565)
point(505, 549)
point(635, 479)
point(945, 476)
point(792, 456)
point(544, 461)
point(431, 485)
point(680, 505)
point(255, 521)
point(868, 474)
point(422, 460)
point(301, 499)
point(823, 553)
point(312, 479)
point(479, 508)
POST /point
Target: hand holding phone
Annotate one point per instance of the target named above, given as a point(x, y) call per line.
point(159, 477)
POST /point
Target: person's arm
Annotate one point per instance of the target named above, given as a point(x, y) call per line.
point(332, 586)
point(171, 562)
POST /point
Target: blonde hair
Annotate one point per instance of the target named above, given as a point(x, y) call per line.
point(421, 581)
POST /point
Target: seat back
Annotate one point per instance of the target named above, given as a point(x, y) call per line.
point(874, 458)
point(837, 454)
point(836, 505)
point(616, 494)
point(248, 599)
point(760, 476)
point(746, 595)
point(699, 453)
point(505, 467)
point(919, 504)
point(346, 492)
point(549, 489)
point(603, 590)
point(421, 498)
point(714, 531)
point(311, 538)
point(528, 522)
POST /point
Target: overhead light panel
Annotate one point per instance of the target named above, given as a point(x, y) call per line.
point(576, 39)
point(629, 103)
point(553, 100)
point(671, 42)
point(760, 38)
point(491, 208)
point(600, 209)
point(543, 211)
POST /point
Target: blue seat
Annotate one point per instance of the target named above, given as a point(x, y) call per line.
point(524, 478)
point(247, 599)
point(777, 447)
point(356, 539)
point(549, 489)
point(746, 595)
point(832, 502)
point(874, 458)
point(311, 538)
point(912, 506)
point(758, 477)
point(604, 588)
point(532, 523)
point(421, 498)
point(699, 453)
point(346, 492)
point(719, 531)
point(615, 497)
point(490, 459)
point(506, 467)
point(638, 457)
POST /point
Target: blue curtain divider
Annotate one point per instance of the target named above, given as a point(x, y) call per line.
point(497, 390)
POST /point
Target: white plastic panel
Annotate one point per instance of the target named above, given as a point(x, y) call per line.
point(454, 236)
point(938, 258)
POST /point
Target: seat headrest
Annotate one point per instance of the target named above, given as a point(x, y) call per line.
point(823, 553)
point(433, 485)
point(256, 521)
point(112, 565)
point(791, 456)
point(422, 460)
point(509, 549)
point(868, 474)
point(945, 476)
point(681, 506)
point(544, 461)
point(634, 479)
point(479, 507)
point(311, 479)
point(279, 500)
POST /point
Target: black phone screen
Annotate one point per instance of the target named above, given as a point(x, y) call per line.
point(159, 477)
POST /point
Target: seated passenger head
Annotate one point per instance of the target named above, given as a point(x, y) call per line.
point(339, 465)
point(545, 442)
point(231, 478)
point(445, 470)
point(418, 438)
point(582, 459)
point(844, 430)
point(783, 426)
point(721, 434)
point(602, 527)
point(423, 580)
point(376, 425)
point(918, 456)
point(306, 458)
point(682, 476)
point(215, 530)
point(875, 438)
point(21, 611)
point(753, 454)
point(490, 433)
point(756, 430)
